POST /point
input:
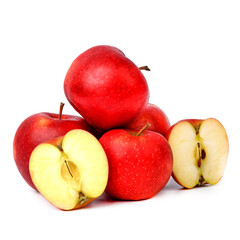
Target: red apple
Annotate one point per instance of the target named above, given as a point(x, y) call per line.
point(155, 116)
point(140, 163)
point(105, 87)
point(37, 129)
point(200, 151)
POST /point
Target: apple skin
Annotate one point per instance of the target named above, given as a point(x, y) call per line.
point(155, 116)
point(139, 166)
point(105, 87)
point(195, 122)
point(37, 129)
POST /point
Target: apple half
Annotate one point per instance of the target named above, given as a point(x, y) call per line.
point(70, 171)
point(200, 151)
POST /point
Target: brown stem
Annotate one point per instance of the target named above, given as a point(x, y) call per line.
point(60, 110)
point(201, 181)
point(68, 168)
point(147, 125)
point(145, 68)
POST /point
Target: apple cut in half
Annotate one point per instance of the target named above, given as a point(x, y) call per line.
point(70, 171)
point(200, 151)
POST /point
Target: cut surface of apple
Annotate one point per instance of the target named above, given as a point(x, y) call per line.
point(71, 171)
point(200, 151)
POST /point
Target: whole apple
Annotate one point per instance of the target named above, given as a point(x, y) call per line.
point(155, 116)
point(140, 163)
point(39, 128)
point(105, 87)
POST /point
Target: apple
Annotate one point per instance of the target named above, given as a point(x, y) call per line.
point(200, 151)
point(155, 116)
point(39, 128)
point(105, 87)
point(70, 171)
point(140, 163)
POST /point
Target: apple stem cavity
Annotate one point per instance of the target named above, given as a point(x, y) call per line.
point(60, 110)
point(201, 181)
point(199, 154)
point(68, 168)
point(147, 125)
point(82, 198)
point(146, 68)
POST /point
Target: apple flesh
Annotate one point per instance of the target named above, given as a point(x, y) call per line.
point(70, 171)
point(39, 128)
point(155, 116)
point(200, 151)
point(105, 87)
point(140, 163)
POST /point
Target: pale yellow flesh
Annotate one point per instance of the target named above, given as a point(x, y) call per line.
point(64, 176)
point(183, 143)
point(90, 159)
point(212, 139)
point(215, 142)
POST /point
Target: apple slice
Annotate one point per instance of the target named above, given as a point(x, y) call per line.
point(200, 151)
point(70, 171)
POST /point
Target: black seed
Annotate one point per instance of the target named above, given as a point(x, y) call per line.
point(203, 154)
point(199, 163)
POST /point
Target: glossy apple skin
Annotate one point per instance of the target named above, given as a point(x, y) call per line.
point(139, 166)
point(155, 116)
point(39, 128)
point(105, 87)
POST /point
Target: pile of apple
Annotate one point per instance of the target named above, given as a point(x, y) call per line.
point(121, 144)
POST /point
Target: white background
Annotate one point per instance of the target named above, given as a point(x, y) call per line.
point(193, 50)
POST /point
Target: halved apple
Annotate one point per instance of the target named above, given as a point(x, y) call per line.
point(200, 151)
point(70, 171)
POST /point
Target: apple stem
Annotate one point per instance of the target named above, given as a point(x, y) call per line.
point(68, 168)
point(147, 125)
point(201, 181)
point(82, 198)
point(60, 110)
point(145, 68)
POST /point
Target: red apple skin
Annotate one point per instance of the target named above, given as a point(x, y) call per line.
point(105, 87)
point(195, 123)
point(139, 166)
point(155, 116)
point(39, 128)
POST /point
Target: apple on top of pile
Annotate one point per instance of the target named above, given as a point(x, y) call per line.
point(121, 144)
